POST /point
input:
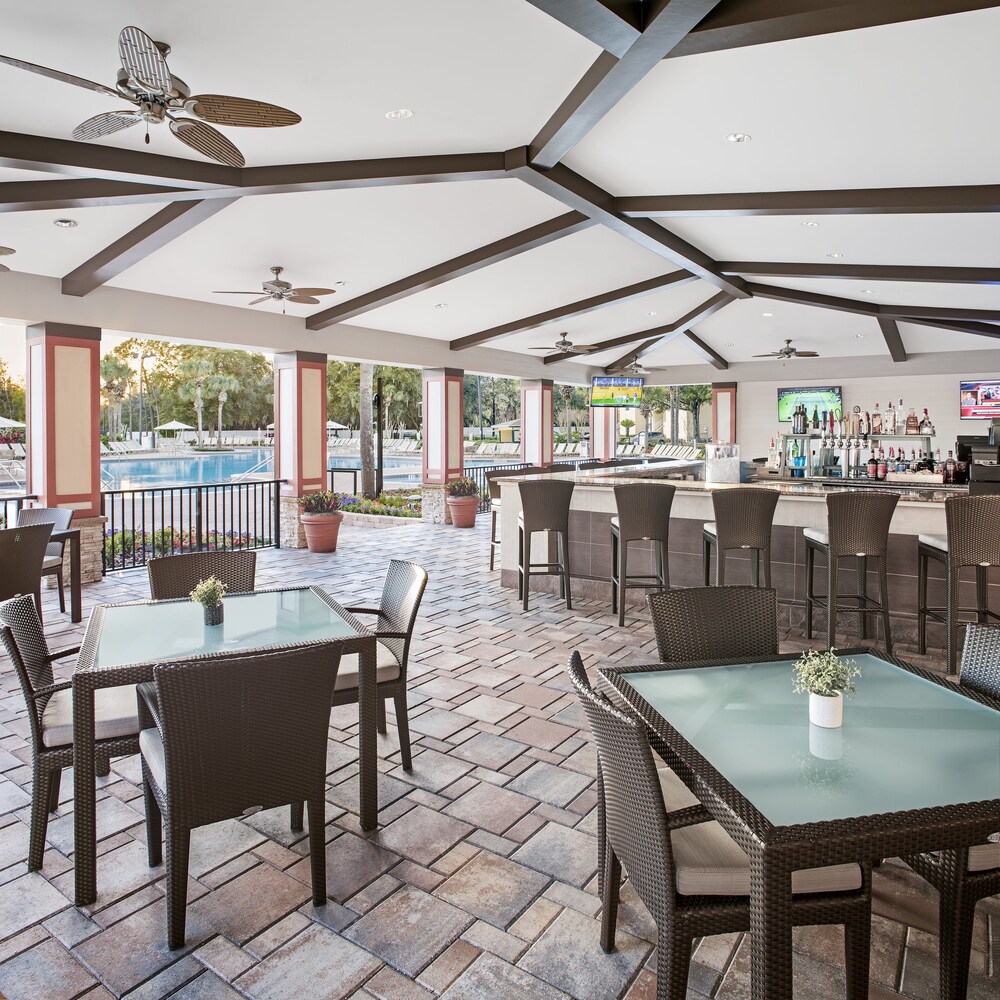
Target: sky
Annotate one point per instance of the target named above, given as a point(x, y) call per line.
point(12, 347)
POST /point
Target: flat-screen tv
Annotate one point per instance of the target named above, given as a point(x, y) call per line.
point(616, 390)
point(821, 397)
point(980, 400)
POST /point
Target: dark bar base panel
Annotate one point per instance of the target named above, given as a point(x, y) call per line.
point(590, 567)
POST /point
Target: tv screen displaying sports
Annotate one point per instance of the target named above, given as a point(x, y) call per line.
point(980, 400)
point(821, 397)
point(614, 390)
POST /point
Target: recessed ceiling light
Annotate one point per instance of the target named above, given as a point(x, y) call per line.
point(767, 314)
point(340, 284)
point(859, 336)
point(738, 137)
point(653, 313)
point(810, 225)
point(400, 114)
point(66, 223)
point(835, 255)
point(441, 305)
point(729, 343)
point(867, 291)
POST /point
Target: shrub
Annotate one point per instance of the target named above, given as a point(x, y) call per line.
point(322, 502)
point(462, 488)
point(824, 673)
point(388, 505)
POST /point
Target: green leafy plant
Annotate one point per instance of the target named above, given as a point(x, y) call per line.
point(462, 488)
point(824, 673)
point(209, 593)
point(321, 502)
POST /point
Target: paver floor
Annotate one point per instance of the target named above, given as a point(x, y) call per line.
point(478, 885)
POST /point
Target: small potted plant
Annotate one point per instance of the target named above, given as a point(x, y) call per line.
point(321, 517)
point(463, 502)
point(826, 678)
point(209, 593)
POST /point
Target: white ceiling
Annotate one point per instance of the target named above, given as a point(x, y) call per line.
point(898, 105)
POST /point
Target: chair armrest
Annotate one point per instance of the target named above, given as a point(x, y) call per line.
point(58, 654)
point(149, 705)
point(52, 688)
point(390, 635)
point(690, 816)
point(366, 611)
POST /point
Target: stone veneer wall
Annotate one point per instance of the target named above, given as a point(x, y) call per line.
point(291, 534)
point(434, 505)
point(91, 549)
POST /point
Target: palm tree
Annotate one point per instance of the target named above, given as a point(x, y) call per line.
point(222, 386)
point(195, 373)
point(116, 376)
point(627, 425)
point(367, 373)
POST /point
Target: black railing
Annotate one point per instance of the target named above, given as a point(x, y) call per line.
point(9, 506)
point(167, 520)
point(478, 473)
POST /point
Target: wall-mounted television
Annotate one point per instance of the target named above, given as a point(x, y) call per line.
point(616, 390)
point(821, 397)
point(980, 400)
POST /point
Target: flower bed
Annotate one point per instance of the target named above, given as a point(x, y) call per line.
point(127, 548)
point(387, 505)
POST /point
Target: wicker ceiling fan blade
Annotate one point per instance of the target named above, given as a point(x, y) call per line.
point(314, 291)
point(807, 354)
point(4, 269)
point(241, 111)
point(143, 61)
point(7, 251)
point(548, 349)
point(263, 298)
point(235, 293)
point(55, 74)
point(106, 123)
point(207, 141)
point(303, 300)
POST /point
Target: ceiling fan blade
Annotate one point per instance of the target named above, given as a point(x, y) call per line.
point(806, 354)
point(55, 74)
point(773, 354)
point(4, 269)
point(314, 291)
point(236, 293)
point(6, 251)
point(106, 123)
point(223, 110)
point(143, 61)
point(549, 349)
point(303, 300)
point(263, 298)
point(207, 141)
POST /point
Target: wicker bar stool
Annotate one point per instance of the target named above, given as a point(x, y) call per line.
point(643, 516)
point(544, 507)
point(973, 539)
point(743, 519)
point(858, 526)
point(494, 489)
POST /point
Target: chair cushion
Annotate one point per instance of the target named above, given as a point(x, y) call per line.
point(983, 857)
point(386, 668)
point(51, 562)
point(115, 715)
point(151, 748)
point(934, 541)
point(817, 535)
point(615, 523)
point(710, 528)
point(676, 795)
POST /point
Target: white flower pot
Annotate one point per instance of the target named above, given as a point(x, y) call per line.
point(826, 711)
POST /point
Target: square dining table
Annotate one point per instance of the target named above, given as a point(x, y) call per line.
point(124, 642)
point(914, 768)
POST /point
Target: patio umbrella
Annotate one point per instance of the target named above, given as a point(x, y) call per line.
point(7, 422)
point(332, 425)
point(174, 425)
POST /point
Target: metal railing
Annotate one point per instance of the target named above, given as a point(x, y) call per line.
point(168, 520)
point(10, 505)
point(479, 474)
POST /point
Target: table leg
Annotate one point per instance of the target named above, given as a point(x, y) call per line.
point(367, 742)
point(84, 794)
point(75, 596)
point(770, 928)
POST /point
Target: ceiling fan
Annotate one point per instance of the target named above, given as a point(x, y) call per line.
point(277, 290)
point(563, 346)
point(788, 352)
point(145, 81)
point(5, 252)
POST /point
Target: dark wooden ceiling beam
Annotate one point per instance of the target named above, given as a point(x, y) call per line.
point(739, 23)
point(956, 326)
point(611, 25)
point(36, 196)
point(865, 201)
point(156, 232)
point(615, 297)
point(503, 249)
point(890, 331)
point(611, 77)
point(865, 272)
point(703, 351)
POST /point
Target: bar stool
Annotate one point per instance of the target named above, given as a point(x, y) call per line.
point(495, 509)
point(743, 518)
point(643, 516)
point(857, 525)
point(973, 539)
point(544, 507)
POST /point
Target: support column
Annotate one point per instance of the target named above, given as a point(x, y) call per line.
point(63, 407)
point(299, 435)
point(603, 433)
point(443, 457)
point(724, 412)
point(537, 421)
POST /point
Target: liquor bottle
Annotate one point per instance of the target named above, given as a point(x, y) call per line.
point(872, 466)
point(815, 417)
point(882, 468)
point(876, 421)
point(926, 427)
point(890, 419)
point(949, 468)
point(912, 422)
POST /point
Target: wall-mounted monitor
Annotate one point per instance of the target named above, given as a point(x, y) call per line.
point(980, 400)
point(821, 397)
point(615, 390)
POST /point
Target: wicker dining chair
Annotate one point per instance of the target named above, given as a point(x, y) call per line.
point(50, 715)
point(52, 564)
point(22, 553)
point(743, 519)
point(544, 508)
point(176, 576)
point(965, 876)
point(691, 875)
point(714, 623)
point(226, 737)
point(643, 514)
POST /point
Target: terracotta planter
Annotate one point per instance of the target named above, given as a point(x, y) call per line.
point(322, 530)
point(463, 511)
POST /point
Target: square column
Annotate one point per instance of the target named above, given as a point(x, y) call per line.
point(443, 458)
point(603, 433)
point(537, 421)
point(724, 412)
point(299, 434)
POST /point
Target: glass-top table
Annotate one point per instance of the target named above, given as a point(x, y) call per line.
point(124, 642)
point(915, 768)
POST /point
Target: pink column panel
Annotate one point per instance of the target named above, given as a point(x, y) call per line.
point(603, 433)
point(300, 422)
point(537, 421)
point(443, 457)
point(724, 412)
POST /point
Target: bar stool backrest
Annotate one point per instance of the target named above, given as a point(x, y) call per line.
point(980, 669)
point(743, 517)
point(644, 510)
point(973, 530)
point(22, 552)
point(545, 504)
point(858, 522)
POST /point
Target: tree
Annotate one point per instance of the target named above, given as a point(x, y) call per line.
point(195, 372)
point(116, 375)
point(222, 386)
point(366, 376)
point(627, 425)
point(692, 398)
point(11, 395)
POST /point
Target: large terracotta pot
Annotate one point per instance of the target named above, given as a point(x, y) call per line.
point(322, 530)
point(463, 511)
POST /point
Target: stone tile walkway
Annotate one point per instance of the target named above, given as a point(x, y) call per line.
point(479, 883)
